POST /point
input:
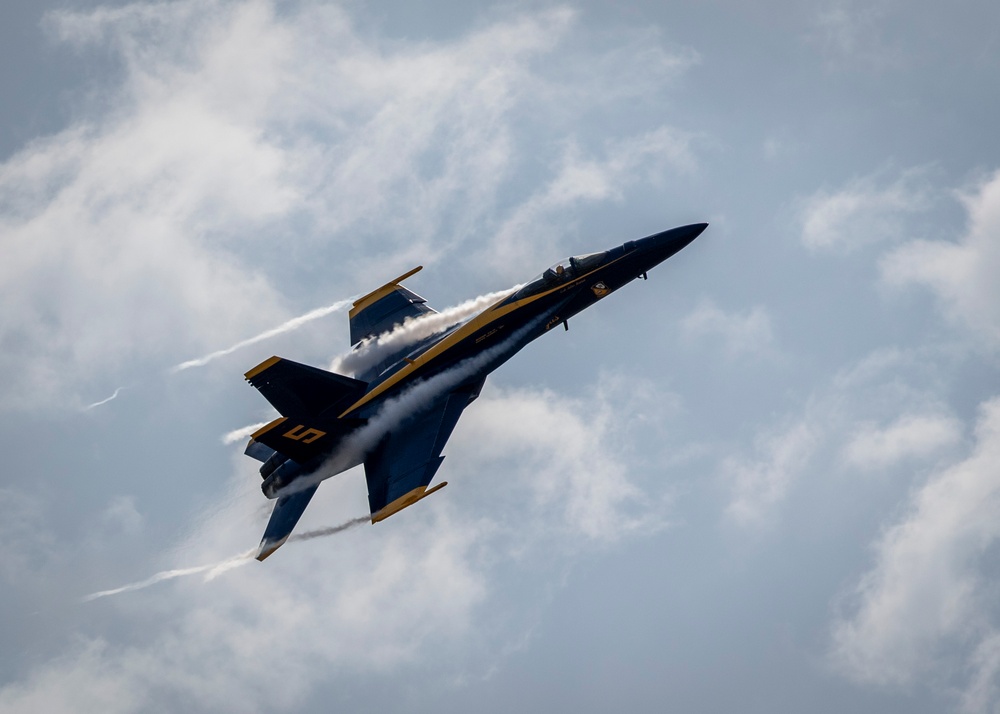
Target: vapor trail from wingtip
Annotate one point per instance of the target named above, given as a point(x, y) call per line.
point(413, 329)
point(392, 413)
point(398, 409)
point(287, 326)
point(231, 437)
point(212, 569)
point(331, 530)
point(103, 401)
point(372, 351)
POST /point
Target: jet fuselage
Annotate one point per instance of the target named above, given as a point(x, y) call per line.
point(331, 422)
point(548, 301)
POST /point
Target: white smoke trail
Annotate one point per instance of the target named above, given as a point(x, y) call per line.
point(213, 570)
point(103, 401)
point(372, 350)
point(323, 532)
point(244, 432)
point(398, 409)
point(288, 326)
point(392, 414)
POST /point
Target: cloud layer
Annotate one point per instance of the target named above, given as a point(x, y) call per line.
point(233, 164)
point(928, 598)
point(252, 160)
point(961, 274)
point(259, 638)
point(247, 141)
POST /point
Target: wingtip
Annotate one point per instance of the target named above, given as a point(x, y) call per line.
point(407, 500)
point(267, 547)
point(365, 300)
point(266, 364)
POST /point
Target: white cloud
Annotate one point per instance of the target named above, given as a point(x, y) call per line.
point(927, 601)
point(867, 210)
point(257, 638)
point(852, 34)
point(22, 526)
point(983, 690)
point(535, 476)
point(883, 411)
point(247, 136)
point(963, 274)
point(561, 456)
point(122, 515)
point(911, 435)
point(114, 232)
point(746, 332)
point(244, 137)
point(579, 180)
point(775, 148)
point(760, 484)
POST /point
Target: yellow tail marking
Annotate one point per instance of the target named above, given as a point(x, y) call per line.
point(306, 437)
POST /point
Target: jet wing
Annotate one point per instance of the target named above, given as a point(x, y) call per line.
point(381, 310)
point(287, 512)
point(400, 469)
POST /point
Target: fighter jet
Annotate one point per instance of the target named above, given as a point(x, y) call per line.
point(330, 423)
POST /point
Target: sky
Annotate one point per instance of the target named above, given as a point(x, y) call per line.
point(764, 480)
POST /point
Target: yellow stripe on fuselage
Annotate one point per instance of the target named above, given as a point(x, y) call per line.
point(487, 316)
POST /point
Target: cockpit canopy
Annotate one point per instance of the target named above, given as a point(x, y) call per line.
point(562, 272)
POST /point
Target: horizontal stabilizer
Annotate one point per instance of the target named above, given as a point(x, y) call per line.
point(302, 391)
point(287, 512)
point(381, 310)
point(259, 451)
point(304, 439)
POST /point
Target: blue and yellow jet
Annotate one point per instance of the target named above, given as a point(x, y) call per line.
point(396, 416)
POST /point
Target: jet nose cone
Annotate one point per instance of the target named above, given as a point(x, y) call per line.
point(689, 233)
point(661, 246)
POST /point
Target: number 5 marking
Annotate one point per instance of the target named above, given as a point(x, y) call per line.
point(306, 437)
